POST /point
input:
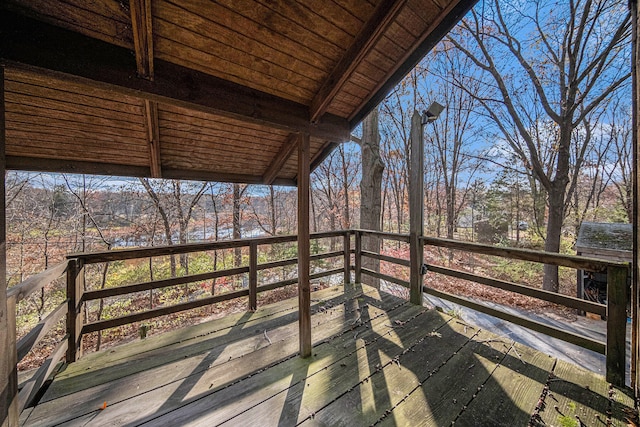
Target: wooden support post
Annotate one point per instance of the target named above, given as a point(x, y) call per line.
point(358, 273)
point(8, 356)
point(304, 246)
point(12, 378)
point(253, 276)
point(616, 324)
point(75, 320)
point(346, 247)
point(416, 201)
point(635, 275)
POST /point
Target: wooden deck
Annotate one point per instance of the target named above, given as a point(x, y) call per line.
point(377, 360)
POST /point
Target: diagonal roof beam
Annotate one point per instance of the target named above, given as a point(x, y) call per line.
point(63, 54)
point(280, 159)
point(446, 20)
point(142, 36)
point(383, 16)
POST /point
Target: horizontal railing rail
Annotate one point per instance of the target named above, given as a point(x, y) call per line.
point(554, 297)
point(614, 310)
point(78, 327)
point(36, 282)
point(156, 251)
point(563, 260)
point(30, 389)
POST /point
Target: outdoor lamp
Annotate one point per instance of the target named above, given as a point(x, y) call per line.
point(431, 114)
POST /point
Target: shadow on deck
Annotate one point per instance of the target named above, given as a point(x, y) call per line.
point(377, 360)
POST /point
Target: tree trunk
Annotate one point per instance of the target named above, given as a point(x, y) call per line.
point(237, 234)
point(345, 188)
point(554, 232)
point(371, 191)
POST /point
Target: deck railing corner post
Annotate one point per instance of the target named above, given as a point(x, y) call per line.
point(12, 374)
point(616, 325)
point(75, 320)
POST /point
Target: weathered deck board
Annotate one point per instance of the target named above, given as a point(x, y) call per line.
point(377, 360)
point(578, 392)
point(320, 387)
point(197, 350)
point(509, 396)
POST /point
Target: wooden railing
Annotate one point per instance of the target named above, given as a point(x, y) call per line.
point(77, 296)
point(78, 326)
point(31, 387)
point(615, 310)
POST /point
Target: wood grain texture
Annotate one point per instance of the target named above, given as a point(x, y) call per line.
point(304, 245)
point(579, 392)
point(198, 356)
point(141, 26)
point(376, 359)
point(106, 21)
point(416, 210)
point(617, 303)
point(247, 63)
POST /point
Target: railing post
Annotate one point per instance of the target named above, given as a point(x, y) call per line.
point(253, 276)
point(358, 273)
point(12, 359)
point(346, 247)
point(416, 215)
point(75, 320)
point(616, 324)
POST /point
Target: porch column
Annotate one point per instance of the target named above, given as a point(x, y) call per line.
point(416, 202)
point(304, 247)
point(8, 372)
point(635, 264)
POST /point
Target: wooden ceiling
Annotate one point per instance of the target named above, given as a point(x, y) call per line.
point(198, 89)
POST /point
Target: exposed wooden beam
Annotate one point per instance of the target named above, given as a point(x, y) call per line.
point(322, 154)
point(304, 248)
point(8, 354)
point(199, 175)
point(281, 158)
point(447, 19)
point(96, 168)
point(142, 36)
point(383, 16)
point(71, 166)
point(153, 135)
point(63, 54)
point(635, 169)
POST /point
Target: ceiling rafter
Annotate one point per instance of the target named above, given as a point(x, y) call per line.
point(141, 25)
point(62, 54)
point(153, 135)
point(383, 16)
point(281, 158)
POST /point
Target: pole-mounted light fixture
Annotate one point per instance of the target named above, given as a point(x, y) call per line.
point(432, 113)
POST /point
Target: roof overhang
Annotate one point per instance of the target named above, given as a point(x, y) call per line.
point(152, 90)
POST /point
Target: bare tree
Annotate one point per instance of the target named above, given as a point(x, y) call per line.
point(566, 58)
point(621, 132)
point(452, 136)
point(175, 202)
point(238, 193)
